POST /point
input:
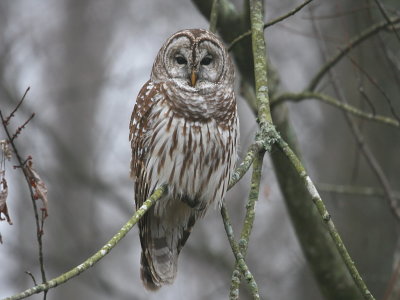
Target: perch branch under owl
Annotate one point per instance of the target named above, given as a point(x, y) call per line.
point(158, 193)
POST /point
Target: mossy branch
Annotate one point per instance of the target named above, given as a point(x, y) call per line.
point(245, 165)
point(260, 63)
point(248, 221)
point(326, 217)
point(267, 128)
point(241, 263)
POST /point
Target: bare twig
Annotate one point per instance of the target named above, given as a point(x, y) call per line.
point(354, 190)
point(18, 105)
point(334, 102)
point(31, 275)
point(364, 35)
point(365, 150)
point(273, 22)
point(18, 131)
point(377, 86)
point(339, 14)
point(367, 99)
point(387, 18)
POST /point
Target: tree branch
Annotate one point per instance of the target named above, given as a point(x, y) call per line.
point(266, 25)
point(245, 165)
point(238, 255)
point(318, 247)
point(387, 18)
point(354, 190)
point(297, 97)
point(265, 118)
point(350, 45)
point(326, 217)
point(248, 221)
point(260, 63)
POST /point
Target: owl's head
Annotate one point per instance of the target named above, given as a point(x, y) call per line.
point(194, 58)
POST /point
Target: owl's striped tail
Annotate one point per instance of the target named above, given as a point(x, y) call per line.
point(161, 246)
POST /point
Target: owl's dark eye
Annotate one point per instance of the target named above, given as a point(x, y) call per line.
point(180, 60)
point(206, 60)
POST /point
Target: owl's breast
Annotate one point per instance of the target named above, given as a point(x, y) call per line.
point(193, 157)
point(200, 105)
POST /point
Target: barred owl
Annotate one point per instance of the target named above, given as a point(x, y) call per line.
point(183, 133)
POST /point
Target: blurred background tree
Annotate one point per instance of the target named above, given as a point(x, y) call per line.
point(86, 61)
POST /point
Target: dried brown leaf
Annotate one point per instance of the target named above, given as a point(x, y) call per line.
point(38, 185)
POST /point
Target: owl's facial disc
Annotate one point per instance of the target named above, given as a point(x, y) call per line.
point(194, 64)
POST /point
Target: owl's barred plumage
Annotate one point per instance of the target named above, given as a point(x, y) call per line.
point(184, 133)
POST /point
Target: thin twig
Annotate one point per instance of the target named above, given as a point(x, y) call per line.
point(273, 22)
point(31, 275)
point(18, 131)
point(367, 99)
point(339, 13)
point(349, 46)
point(334, 102)
point(387, 18)
point(365, 191)
point(18, 105)
point(157, 194)
point(377, 86)
point(392, 63)
point(365, 150)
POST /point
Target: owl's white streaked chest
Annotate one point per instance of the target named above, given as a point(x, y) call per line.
point(194, 158)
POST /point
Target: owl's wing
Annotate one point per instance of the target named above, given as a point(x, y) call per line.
point(140, 127)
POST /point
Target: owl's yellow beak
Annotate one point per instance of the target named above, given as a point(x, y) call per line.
point(193, 77)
